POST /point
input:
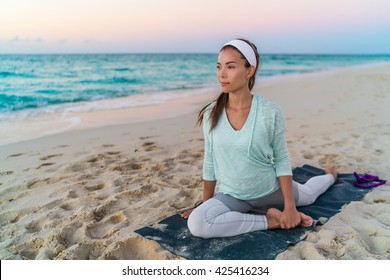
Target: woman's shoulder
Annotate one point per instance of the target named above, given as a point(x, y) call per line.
point(267, 104)
point(211, 105)
point(208, 108)
point(206, 112)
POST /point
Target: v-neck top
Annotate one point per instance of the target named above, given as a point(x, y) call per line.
point(246, 162)
point(246, 121)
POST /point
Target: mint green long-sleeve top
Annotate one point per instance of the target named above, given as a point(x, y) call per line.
point(246, 162)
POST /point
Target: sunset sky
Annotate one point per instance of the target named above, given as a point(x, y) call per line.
point(275, 26)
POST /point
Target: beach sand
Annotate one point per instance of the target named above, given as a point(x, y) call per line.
point(82, 193)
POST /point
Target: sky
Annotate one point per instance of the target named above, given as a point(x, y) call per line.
point(194, 26)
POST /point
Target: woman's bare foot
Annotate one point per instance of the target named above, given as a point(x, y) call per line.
point(273, 219)
point(306, 221)
point(330, 170)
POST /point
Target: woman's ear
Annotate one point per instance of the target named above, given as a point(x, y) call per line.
point(251, 71)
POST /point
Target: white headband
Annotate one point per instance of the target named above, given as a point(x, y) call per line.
point(245, 49)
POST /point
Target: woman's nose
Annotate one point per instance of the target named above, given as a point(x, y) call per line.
point(222, 73)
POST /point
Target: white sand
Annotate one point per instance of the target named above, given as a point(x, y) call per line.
point(81, 194)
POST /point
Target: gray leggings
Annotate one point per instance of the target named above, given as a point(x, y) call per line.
point(224, 215)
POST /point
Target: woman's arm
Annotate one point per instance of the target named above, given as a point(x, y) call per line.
point(209, 180)
point(208, 189)
point(290, 216)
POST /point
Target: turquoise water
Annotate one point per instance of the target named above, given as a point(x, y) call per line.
point(40, 82)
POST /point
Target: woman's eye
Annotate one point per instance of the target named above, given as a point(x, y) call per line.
point(230, 67)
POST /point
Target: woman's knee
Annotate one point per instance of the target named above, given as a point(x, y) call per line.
point(201, 221)
point(197, 224)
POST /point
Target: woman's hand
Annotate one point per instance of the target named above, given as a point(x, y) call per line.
point(187, 213)
point(290, 218)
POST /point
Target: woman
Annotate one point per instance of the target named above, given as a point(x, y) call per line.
point(246, 154)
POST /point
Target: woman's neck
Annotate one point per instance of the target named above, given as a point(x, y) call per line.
point(239, 101)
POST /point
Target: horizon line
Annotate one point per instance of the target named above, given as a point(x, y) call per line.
point(176, 53)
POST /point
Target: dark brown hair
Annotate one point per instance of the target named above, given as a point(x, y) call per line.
point(223, 98)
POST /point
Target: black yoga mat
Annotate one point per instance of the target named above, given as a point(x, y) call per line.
point(173, 234)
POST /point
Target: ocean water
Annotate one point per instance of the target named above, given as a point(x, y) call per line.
point(35, 84)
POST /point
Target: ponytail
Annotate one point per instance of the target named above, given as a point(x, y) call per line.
point(216, 112)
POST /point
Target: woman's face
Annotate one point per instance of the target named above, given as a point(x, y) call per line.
point(232, 73)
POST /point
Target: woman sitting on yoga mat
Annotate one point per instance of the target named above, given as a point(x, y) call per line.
point(246, 160)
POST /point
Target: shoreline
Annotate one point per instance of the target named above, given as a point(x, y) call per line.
point(80, 194)
point(86, 115)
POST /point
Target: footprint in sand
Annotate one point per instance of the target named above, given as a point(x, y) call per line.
point(34, 226)
point(68, 236)
point(132, 195)
point(147, 137)
point(4, 173)
point(149, 146)
point(189, 157)
point(62, 146)
point(77, 167)
point(45, 164)
point(106, 227)
point(95, 187)
point(9, 217)
point(50, 156)
point(183, 154)
point(16, 155)
point(159, 168)
point(184, 181)
point(95, 158)
point(329, 159)
point(149, 188)
point(307, 155)
point(66, 207)
point(108, 145)
point(72, 194)
point(37, 183)
point(113, 153)
point(100, 212)
point(128, 166)
point(198, 139)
